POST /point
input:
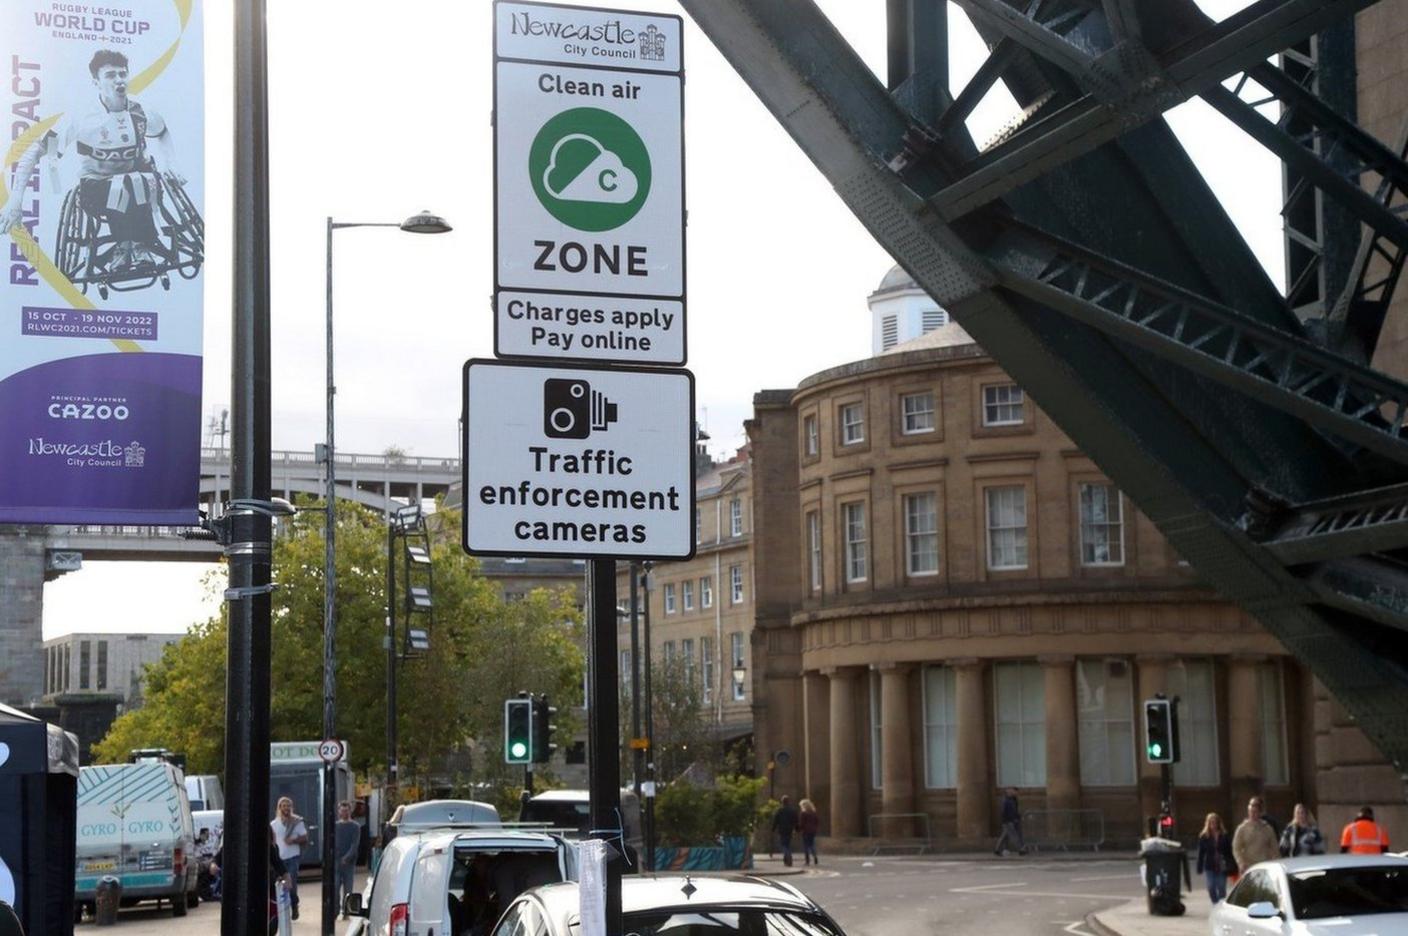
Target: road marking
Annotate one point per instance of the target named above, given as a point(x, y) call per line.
point(1106, 877)
point(1075, 929)
point(1006, 889)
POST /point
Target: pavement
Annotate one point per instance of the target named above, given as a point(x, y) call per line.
point(1133, 919)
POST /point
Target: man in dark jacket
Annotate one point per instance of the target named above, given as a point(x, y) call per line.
point(1011, 825)
point(784, 823)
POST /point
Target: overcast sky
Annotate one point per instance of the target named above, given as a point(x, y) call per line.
point(378, 111)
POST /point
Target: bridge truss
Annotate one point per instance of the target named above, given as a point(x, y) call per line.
point(1246, 424)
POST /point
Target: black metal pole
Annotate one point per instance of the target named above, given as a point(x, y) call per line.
point(244, 910)
point(391, 775)
point(329, 810)
point(649, 829)
point(604, 729)
point(637, 754)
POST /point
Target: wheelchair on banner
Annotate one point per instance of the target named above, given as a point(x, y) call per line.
point(85, 248)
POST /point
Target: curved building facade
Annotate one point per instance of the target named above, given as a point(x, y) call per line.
point(952, 599)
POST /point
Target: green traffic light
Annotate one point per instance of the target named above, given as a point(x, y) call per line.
point(1156, 750)
point(518, 749)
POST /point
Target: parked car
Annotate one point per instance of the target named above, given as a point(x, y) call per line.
point(1348, 895)
point(677, 904)
point(447, 881)
point(205, 792)
point(134, 823)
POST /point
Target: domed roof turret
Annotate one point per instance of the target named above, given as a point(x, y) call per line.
point(897, 278)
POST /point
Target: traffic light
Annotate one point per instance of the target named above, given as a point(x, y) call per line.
point(518, 731)
point(543, 728)
point(1160, 732)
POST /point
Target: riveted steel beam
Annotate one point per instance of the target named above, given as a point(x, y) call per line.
point(1343, 527)
point(1368, 588)
point(1359, 312)
point(917, 55)
point(1282, 370)
point(1302, 155)
point(1076, 127)
point(1123, 17)
point(1184, 450)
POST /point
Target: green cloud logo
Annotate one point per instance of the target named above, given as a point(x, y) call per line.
point(589, 169)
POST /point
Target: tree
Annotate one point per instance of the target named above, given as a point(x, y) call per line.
point(683, 733)
point(479, 645)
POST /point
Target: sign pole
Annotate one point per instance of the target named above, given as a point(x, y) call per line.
point(603, 733)
point(245, 908)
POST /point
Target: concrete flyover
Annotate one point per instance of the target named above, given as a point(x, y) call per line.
point(33, 555)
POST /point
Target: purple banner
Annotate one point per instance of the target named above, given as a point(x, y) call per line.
point(107, 438)
point(82, 323)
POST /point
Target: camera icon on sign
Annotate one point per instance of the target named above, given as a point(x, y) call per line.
point(572, 409)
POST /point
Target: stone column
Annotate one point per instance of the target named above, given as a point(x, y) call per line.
point(1062, 747)
point(897, 768)
point(845, 753)
point(974, 799)
point(1152, 679)
point(1243, 732)
point(816, 713)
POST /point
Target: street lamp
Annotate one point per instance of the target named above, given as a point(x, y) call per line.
point(423, 223)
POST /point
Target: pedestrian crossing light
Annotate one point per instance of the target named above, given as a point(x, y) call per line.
point(518, 731)
point(1160, 741)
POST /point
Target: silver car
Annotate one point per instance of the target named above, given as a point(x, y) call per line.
point(731, 905)
point(1347, 895)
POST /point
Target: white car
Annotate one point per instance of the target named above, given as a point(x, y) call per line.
point(1343, 895)
point(678, 905)
point(447, 881)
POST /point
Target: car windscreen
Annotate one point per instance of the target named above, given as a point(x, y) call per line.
point(558, 814)
point(1350, 891)
point(742, 922)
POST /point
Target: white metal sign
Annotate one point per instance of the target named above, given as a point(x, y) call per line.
point(589, 184)
point(330, 750)
point(579, 462)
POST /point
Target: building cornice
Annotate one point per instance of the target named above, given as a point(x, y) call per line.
point(1084, 596)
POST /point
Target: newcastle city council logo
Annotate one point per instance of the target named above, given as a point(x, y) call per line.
point(590, 169)
point(134, 455)
point(652, 44)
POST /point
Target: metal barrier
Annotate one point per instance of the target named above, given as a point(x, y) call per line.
point(919, 847)
point(1064, 829)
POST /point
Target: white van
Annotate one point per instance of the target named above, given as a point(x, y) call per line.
point(134, 823)
point(205, 792)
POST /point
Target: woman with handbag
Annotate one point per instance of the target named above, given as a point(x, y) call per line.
point(1215, 861)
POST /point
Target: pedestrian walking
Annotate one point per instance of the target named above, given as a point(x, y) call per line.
point(1364, 836)
point(1215, 860)
point(784, 823)
point(1011, 825)
point(1302, 836)
point(348, 837)
point(1254, 840)
point(808, 821)
point(290, 835)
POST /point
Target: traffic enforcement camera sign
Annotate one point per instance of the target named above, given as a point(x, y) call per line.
point(578, 462)
point(589, 184)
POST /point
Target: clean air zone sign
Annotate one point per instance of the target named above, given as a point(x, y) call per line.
point(589, 184)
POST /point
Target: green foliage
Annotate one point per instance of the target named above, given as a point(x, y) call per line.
point(695, 815)
point(482, 649)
